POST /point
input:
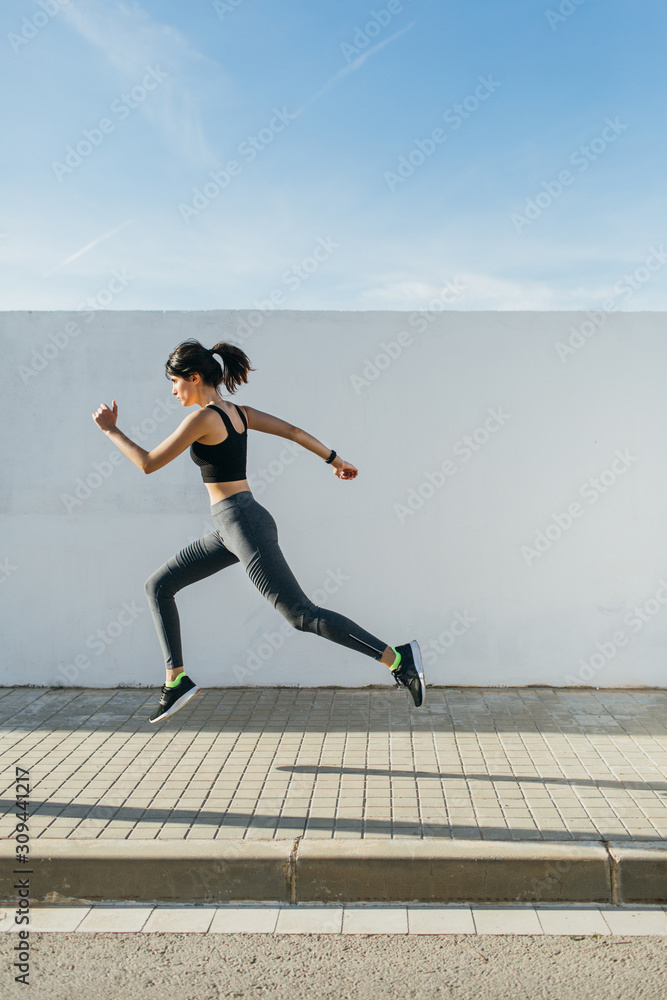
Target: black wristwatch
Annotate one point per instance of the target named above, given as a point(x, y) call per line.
point(331, 457)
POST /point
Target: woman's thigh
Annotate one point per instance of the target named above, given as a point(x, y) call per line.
point(250, 531)
point(199, 559)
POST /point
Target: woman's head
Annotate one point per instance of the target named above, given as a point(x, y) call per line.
point(190, 358)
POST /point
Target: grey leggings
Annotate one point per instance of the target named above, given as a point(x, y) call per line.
point(245, 532)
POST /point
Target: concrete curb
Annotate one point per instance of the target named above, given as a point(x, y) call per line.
point(405, 870)
point(640, 871)
point(452, 871)
point(172, 870)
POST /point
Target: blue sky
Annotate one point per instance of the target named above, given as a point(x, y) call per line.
point(493, 154)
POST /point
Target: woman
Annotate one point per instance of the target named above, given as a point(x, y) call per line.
point(245, 531)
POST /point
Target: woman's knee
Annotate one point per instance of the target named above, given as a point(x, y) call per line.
point(303, 619)
point(156, 583)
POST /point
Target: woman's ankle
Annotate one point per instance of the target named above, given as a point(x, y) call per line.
point(174, 675)
point(390, 658)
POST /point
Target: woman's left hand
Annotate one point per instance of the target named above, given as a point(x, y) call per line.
point(104, 417)
point(344, 470)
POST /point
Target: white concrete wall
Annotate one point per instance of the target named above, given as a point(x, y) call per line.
point(449, 564)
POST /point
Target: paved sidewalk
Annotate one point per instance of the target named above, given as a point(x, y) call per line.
point(279, 763)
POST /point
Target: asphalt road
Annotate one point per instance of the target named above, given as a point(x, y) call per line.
point(135, 966)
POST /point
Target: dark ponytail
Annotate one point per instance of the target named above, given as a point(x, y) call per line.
point(190, 356)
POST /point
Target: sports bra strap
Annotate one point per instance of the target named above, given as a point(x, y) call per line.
point(245, 422)
point(228, 424)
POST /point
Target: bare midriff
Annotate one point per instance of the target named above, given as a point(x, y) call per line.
point(220, 491)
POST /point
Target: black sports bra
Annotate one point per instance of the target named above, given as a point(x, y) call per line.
point(224, 462)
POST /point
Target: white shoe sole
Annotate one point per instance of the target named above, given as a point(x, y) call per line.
point(178, 705)
point(419, 667)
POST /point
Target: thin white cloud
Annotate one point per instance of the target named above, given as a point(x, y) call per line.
point(86, 248)
point(132, 41)
point(353, 66)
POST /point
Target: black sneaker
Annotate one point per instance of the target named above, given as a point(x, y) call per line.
point(410, 671)
point(173, 698)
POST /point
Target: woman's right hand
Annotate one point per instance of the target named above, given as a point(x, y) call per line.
point(343, 469)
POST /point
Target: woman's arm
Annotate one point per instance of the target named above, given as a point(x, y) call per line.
point(258, 421)
point(190, 428)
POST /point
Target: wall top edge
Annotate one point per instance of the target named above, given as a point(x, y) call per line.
point(331, 312)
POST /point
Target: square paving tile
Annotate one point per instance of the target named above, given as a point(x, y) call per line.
point(587, 920)
point(310, 920)
point(375, 920)
point(245, 920)
point(506, 920)
point(180, 919)
point(628, 921)
point(56, 918)
point(440, 920)
point(115, 918)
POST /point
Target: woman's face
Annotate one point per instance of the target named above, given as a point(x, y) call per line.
point(185, 390)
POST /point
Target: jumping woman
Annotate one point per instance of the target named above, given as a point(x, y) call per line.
point(245, 531)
